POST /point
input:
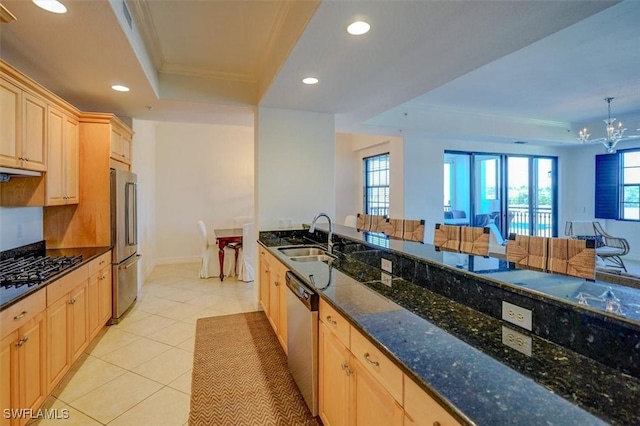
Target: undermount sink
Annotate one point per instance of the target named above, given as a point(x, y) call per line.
point(313, 258)
point(302, 251)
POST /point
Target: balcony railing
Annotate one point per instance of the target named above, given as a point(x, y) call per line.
point(539, 222)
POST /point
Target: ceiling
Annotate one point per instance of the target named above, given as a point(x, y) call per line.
point(497, 71)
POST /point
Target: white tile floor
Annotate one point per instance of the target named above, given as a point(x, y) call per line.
point(139, 371)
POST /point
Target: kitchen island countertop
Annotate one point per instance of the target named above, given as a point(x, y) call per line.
point(456, 353)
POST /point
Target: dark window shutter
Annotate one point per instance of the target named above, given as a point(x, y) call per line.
point(607, 186)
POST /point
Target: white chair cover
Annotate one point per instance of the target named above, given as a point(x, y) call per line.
point(210, 264)
point(247, 254)
point(351, 220)
point(496, 242)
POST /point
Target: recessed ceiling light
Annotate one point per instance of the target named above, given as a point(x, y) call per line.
point(358, 28)
point(53, 6)
point(120, 88)
point(310, 80)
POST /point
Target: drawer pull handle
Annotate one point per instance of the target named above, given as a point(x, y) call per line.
point(72, 301)
point(276, 283)
point(346, 369)
point(22, 341)
point(331, 321)
point(436, 423)
point(101, 262)
point(374, 363)
point(22, 315)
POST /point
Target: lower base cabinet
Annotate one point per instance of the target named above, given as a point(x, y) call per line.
point(23, 382)
point(273, 293)
point(42, 335)
point(378, 393)
point(333, 379)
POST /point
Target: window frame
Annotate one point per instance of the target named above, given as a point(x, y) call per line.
point(624, 185)
point(366, 164)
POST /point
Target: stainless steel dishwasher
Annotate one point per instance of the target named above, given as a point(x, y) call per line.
point(302, 339)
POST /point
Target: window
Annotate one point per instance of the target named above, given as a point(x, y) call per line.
point(618, 185)
point(630, 185)
point(376, 185)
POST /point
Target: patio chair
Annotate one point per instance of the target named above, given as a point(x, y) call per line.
point(609, 248)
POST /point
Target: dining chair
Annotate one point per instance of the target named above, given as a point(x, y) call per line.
point(210, 264)
point(247, 255)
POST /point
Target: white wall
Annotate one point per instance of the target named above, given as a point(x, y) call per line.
point(202, 172)
point(295, 163)
point(143, 163)
point(578, 202)
point(20, 226)
point(351, 149)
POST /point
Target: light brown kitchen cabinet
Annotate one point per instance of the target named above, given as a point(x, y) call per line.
point(88, 224)
point(22, 127)
point(99, 291)
point(265, 280)
point(371, 401)
point(23, 381)
point(333, 378)
point(422, 410)
point(121, 144)
point(67, 322)
point(359, 385)
point(273, 294)
point(62, 179)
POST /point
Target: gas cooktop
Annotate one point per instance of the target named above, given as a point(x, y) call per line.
point(20, 275)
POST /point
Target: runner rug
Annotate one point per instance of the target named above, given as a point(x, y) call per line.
point(240, 375)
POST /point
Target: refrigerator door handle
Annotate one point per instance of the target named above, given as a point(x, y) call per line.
point(130, 219)
point(134, 213)
point(134, 259)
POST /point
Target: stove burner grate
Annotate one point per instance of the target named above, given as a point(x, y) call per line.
point(33, 270)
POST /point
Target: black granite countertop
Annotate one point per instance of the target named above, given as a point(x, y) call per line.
point(456, 353)
point(13, 295)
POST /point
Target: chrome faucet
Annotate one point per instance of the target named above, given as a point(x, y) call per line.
point(313, 228)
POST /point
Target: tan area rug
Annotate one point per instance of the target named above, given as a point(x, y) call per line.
point(240, 375)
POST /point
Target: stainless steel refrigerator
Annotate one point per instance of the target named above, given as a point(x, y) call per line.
point(124, 241)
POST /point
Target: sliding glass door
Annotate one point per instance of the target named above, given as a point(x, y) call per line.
point(531, 198)
point(516, 193)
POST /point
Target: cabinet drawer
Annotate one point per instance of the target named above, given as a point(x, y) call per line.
point(375, 362)
point(335, 322)
point(421, 409)
point(99, 263)
point(64, 285)
point(18, 314)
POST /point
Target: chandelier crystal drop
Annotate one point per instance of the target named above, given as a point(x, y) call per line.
point(614, 133)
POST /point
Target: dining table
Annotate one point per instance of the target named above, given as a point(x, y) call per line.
point(228, 237)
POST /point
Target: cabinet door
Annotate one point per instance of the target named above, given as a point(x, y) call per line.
point(265, 281)
point(55, 173)
point(126, 148)
point(34, 112)
point(282, 307)
point(8, 379)
point(32, 363)
point(10, 101)
point(116, 144)
point(333, 372)
point(274, 300)
point(93, 292)
point(57, 341)
point(104, 282)
point(372, 404)
point(70, 152)
point(79, 323)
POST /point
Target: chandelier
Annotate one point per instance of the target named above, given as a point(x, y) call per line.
point(614, 133)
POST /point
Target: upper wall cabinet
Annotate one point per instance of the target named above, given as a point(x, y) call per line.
point(62, 183)
point(22, 128)
point(121, 144)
